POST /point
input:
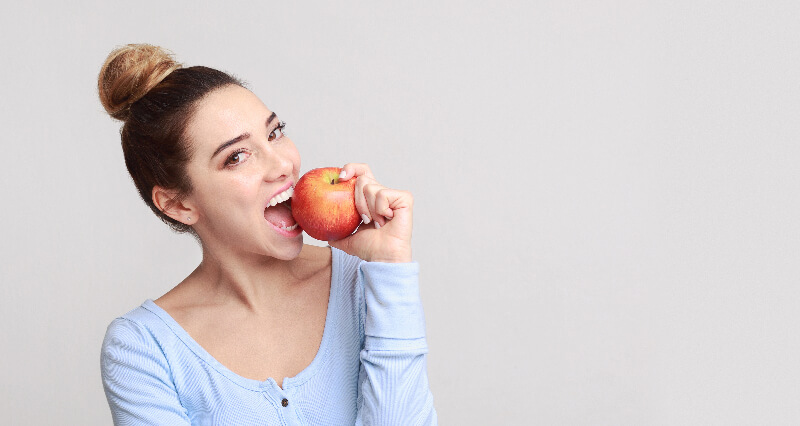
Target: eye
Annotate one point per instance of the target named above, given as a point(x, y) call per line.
point(236, 158)
point(278, 132)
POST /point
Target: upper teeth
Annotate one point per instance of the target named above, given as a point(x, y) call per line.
point(283, 196)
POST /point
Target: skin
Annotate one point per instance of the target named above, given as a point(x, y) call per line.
point(258, 300)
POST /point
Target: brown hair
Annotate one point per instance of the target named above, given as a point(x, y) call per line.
point(155, 97)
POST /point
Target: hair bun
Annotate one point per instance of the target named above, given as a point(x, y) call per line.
point(129, 73)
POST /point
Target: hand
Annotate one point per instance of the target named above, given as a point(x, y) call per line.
point(385, 233)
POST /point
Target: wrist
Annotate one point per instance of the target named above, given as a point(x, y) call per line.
point(394, 308)
point(391, 260)
point(392, 256)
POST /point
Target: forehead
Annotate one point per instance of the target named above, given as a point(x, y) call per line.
point(224, 114)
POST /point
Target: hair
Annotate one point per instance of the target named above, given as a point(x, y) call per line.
point(155, 97)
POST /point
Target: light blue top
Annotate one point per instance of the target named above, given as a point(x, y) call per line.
point(370, 368)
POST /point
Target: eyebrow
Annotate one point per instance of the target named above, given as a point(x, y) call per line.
point(241, 137)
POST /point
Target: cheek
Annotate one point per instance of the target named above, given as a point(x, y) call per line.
point(220, 192)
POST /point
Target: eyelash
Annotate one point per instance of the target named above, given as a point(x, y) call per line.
point(229, 161)
point(281, 125)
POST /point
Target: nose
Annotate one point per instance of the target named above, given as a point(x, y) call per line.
point(277, 166)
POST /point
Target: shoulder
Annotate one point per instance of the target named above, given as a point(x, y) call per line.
point(137, 378)
point(344, 261)
point(345, 266)
point(135, 321)
point(342, 266)
point(135, 332)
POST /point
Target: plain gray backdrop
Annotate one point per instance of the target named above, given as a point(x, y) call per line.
point(607, 193)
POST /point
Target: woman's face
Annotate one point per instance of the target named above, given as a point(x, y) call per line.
point(241, 160)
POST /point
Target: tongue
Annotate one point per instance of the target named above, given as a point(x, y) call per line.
point(279, 215)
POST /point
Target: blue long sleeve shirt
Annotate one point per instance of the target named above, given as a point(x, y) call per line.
point(370, 368)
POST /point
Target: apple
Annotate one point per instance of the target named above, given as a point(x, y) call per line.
point(324, 206)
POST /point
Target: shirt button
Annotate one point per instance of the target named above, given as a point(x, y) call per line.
point(285, 402)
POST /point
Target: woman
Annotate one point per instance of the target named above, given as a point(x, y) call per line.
point(266, 330)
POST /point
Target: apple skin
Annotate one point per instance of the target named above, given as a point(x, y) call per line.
point(324, 206)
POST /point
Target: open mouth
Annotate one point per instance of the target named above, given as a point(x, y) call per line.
point(279, 212)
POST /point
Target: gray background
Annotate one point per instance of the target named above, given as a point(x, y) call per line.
point(606, 193)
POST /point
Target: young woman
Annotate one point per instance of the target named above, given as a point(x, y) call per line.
point(266, 330)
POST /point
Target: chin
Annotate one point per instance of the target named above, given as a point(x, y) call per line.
point(288, 250)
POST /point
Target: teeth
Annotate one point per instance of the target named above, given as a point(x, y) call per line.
point(289, 228)
point(283, 196)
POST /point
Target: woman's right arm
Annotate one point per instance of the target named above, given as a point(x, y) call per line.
point(137, 378)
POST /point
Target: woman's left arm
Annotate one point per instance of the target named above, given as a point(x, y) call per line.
point(393, 381)
point(393, 384)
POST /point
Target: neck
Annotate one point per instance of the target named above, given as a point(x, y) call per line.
point(257, 283)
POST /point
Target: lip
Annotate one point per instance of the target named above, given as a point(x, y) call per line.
point(283, 188)
point(291, 234)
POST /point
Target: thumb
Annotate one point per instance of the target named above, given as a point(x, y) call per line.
point(345, 244)
point(353, 244)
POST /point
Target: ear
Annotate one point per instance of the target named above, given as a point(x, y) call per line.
point(166, 201)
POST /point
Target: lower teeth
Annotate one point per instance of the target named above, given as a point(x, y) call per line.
point(289, 228)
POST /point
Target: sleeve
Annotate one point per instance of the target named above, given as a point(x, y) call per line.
point(137, 379)
point(393, 380)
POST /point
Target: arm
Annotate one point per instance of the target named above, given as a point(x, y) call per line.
point(137, 379)
point(393, 381)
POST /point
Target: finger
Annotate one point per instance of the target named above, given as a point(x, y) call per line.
point(361, 202)
point(350, 170)
point(371, 191)
point(388, 201)
point(382, 204)
point(385, 203)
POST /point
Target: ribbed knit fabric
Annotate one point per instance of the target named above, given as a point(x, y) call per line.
point(370, 368)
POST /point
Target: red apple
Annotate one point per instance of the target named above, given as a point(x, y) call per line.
point(324, 206)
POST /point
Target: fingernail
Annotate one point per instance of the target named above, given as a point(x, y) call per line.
point(365, 218)
point(377, 225)
point(342, 174)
